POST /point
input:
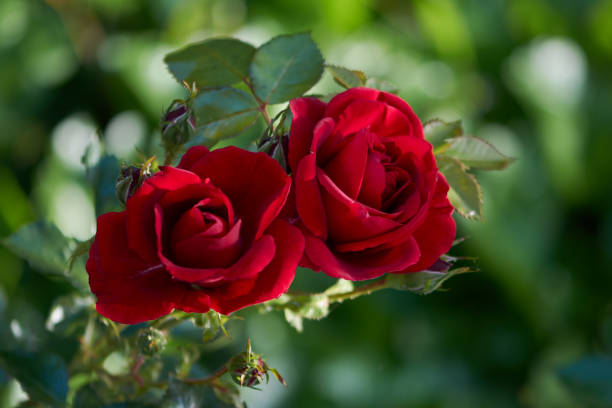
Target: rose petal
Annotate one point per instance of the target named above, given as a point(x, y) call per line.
point(339, 102)
point(204, 251)
point(306, 113)
point(373, 182)
point(255, 184)
point(250, 263)
point(130, 290)
point(273, 281)
point(362, 265)
point(360, 114)
point(309, 203)
point(401, 105)
point(348, 166)
point(140, 231)
point(192, 156)
point(349, 220)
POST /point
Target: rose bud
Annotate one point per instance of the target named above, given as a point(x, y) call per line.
point(277, 147)
point(151, 341)
point(368, 194)
point(178, 124)
point(129, 180)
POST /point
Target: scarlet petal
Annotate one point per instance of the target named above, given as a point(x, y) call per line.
point(360, 114)
point(349, 220)
point(437, 232)
point(130, 290)
point(272, 282)
point(361, 265)
point(308, 197)
point(373, 182)
point(204, 251)
point(401, 105)
point(250, 263)
point(347, 168)
point(306, 113)
point(255, 184)
point(192, 156)
point(139, 207)
point(396, 122)
point(339, 102)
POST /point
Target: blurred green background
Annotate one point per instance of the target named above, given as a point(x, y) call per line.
point(532, 76)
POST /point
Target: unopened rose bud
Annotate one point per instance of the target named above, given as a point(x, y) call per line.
point(247, 372)
point(151, 341)
point(129, 180)
point(178, 124)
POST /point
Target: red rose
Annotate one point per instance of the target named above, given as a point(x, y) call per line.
point(200, 236)
point(368, 194)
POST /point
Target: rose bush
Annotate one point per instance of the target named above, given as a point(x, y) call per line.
point(368, 195)
point(202, 235)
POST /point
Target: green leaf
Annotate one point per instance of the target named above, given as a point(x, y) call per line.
point(103, 178)
point(44, 246)
point(382, 85)
point(68, 315)
point(424, 282)
point(44, 377)
point(222, 113)
point(465, 193)
point(475, 152)
point(285, 67)
point(211, 63)
point(589, 380)
point(437, 131)
point(345, 77)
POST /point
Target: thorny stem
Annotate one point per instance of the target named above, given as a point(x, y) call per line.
point(206, 380)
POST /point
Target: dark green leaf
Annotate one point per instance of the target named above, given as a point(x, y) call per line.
point(43, 376)
point(465, 193)
point(382, 85)
point(475, 152)
point(347, 78)
point(69, 314)
point(43, 245)
point(590, 380)
point(424, 282)
point(211, 63)
point(437, 131)
point(286, 67)
point(222, 113)
point(103, 178)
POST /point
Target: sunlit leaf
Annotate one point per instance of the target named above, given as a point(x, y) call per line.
point(465, 194)
point(215, 62)
point(181, 395)
point(285, 67)
point(475, 152)
point(345, 77)
point(222, 113)
point(437, 131)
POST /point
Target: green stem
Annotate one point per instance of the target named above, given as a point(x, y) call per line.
point(359, 291)
point(206, 380)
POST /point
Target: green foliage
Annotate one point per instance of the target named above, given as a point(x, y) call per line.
point(43, 376)
point(347, 78)
point(589, 380)
point(475, 152)
point(424, 282)
point(465, 193)
point(44, 246)
point(437, 132)
point(212, 63)
point(285, 67)
point(181, 395)
point(222, 113)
